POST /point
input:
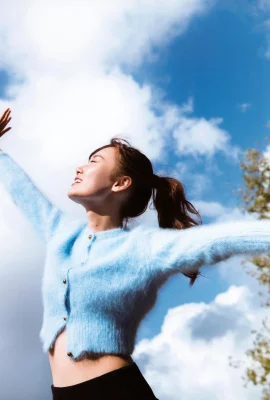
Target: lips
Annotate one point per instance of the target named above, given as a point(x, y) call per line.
point(75, 179)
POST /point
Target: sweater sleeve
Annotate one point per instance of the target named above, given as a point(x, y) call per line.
point(189, 249)
point(40, 212)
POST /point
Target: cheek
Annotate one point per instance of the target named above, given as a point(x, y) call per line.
point(97, 180)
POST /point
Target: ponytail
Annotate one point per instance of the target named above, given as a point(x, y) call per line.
point(173, 208)
point(168, 193)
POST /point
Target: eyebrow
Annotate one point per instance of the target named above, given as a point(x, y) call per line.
point(97, 155)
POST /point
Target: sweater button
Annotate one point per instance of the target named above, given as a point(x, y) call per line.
point(69, 354)
point(65, 318)
point(90, 237)
point(64, 281)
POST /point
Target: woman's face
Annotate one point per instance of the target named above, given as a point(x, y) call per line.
point(95, 181)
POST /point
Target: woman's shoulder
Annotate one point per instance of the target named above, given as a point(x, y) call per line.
point(143, 230)
point(68, 224)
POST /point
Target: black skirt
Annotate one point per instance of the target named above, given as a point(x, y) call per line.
point(126, 383)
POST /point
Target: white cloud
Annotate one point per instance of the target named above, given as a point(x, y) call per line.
point(70, 93)
point(266, 153)
point(221, 213)
point(196, 339)
point(193, 347)
point(210, 209)
point(83, 33)
point(201, 137)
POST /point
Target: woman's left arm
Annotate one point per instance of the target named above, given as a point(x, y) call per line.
point(174, 250)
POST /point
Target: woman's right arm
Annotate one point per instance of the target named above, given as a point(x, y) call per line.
point(41, 213)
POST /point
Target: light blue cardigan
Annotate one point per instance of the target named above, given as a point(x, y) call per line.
point(100, 285)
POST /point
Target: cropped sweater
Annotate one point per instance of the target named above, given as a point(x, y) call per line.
point(100, 285)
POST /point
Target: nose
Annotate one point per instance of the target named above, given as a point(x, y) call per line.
point(81, 168)
point(78, 170)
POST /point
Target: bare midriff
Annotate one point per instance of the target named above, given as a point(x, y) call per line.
point(67, 372)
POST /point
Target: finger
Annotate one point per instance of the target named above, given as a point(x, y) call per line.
point(5, 113)
point(4, 123)
point(8, 110)
point(6, 116)
point(4, 131)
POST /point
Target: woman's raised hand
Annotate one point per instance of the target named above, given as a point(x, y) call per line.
point(4, 120)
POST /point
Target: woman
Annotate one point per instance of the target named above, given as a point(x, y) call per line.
point(101, 278)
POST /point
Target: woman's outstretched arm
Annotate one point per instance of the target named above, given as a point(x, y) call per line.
point(187, 250)
point(43, 215)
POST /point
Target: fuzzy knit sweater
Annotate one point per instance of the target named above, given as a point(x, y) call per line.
point(100, 285)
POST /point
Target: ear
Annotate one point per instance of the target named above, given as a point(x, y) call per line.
point(121, 184)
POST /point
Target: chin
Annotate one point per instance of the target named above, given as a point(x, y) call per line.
point(72, 194)
point(74, 198)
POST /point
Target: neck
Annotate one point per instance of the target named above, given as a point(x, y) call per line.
point(97, 222)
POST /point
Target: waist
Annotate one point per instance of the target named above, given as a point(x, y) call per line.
point(66, 372)
point(89, 332)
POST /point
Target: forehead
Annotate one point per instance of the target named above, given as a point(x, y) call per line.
point(107, 153)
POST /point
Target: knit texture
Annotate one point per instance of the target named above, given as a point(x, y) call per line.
point(100, 285)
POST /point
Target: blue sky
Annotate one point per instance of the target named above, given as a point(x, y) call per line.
point(218, 62)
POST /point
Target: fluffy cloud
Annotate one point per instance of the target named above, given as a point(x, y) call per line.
point(197, 136)
point(89, 34)
point(221, 213)
point(210, 209)
point(67, 88)
point(193, 347)
point(201, 137)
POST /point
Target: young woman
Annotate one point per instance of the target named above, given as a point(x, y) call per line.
point(101, 278)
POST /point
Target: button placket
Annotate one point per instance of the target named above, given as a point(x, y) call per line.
point(90, 236)
point(64, 282)
point(69, 353)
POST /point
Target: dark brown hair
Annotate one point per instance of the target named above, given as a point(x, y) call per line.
point(168, 194)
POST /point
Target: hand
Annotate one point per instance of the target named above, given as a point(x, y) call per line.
point(4, 120)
